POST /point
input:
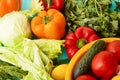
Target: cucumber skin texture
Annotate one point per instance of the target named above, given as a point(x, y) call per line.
point(84, 65)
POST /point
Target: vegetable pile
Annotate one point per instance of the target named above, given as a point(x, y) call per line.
point(24, 55)
point(99, 62)
point(31, 40)
point(93, 13)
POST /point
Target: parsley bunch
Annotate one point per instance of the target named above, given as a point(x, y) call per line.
point(92, 13)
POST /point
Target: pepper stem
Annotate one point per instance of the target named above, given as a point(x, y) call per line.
point(81, 42)
point(46, 19)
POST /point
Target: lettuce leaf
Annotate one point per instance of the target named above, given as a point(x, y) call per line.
point(50, 47)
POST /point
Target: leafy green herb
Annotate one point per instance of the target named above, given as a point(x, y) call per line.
point(93, 13)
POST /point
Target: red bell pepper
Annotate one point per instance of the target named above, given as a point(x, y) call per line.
point(76, 40)
point(55, 4)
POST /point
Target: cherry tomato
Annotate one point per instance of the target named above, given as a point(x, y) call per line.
point(7, 6)
point(85, 77)
point(104, 64)
point(115, 48)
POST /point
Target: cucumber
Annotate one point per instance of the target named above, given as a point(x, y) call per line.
point(84, 64)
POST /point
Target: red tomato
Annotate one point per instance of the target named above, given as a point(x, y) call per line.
point(105, 79)
point(85, 77)
point(115, 48)
point(7, 6)
point(104, 64)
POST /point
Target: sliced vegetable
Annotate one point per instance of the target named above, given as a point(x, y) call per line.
point(83, 65)
point(75, 41)
point(7, 6)
point(53, 4)
point(104, 64)
point(49, 24)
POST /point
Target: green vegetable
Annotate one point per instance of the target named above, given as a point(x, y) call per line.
point(50, 47)
point(13, 28)
point(11, 72)
point(29, 56)
point(93, 13)
point(83, 66)
point(36, 68)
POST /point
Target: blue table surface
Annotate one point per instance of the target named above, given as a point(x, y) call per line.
point(25, 4)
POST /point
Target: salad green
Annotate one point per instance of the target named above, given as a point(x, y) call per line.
point(92, 13)
point(28, 55)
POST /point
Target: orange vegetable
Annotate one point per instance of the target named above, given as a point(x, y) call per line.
point(49, 24)
point(7, 6)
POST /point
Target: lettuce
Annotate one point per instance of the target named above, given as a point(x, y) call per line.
point(50, 47)
point(34, 56)
point(36, 70)
point(14, 27)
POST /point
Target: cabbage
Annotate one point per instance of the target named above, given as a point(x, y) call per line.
point(36, 6)
point(14, 27)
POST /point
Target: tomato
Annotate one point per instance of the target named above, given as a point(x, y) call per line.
point(7, 6)
point(115, 48)
point(105, 79)
point(85, 77)
point(104, 64)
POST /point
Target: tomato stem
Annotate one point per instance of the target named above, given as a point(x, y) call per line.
point(81, 42)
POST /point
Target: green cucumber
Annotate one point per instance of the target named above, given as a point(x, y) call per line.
point(84, 64)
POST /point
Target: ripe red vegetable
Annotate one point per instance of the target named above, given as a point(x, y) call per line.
point(7, 6)
point(75, 41)
point(53, 4)
point(104, 64)
point(85, 77)
point(114, 47)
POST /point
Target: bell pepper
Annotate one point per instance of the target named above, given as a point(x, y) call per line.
point(76, 40)
point(53, 4)
point(49, 24)
point(7, 6)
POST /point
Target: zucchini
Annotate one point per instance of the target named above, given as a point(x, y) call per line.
point(84, 64)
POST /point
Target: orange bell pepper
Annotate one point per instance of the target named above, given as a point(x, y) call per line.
point(49, 24)
point(7, 6)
